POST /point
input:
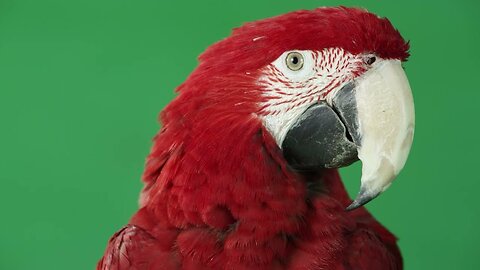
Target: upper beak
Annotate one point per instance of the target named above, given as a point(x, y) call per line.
point(371, 119)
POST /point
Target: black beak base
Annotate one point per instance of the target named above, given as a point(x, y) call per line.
point(324, 136)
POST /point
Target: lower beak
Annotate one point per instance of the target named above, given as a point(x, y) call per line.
point(371, 119)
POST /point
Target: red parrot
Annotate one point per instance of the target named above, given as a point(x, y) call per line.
point(243, 173)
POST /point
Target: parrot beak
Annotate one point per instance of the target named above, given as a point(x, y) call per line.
point(370, 118)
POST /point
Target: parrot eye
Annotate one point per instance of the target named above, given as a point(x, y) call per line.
point(294, 61)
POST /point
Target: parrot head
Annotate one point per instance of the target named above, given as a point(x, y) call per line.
point(327, 85)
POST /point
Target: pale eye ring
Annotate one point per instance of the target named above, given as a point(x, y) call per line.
point(294, 61)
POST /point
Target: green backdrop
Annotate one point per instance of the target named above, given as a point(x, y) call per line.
point(82, 82)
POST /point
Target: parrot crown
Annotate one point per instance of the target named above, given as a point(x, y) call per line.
point(257, 44)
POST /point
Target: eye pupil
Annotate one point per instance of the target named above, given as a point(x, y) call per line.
point(295, 60)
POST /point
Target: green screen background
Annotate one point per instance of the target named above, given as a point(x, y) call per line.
point(82, 82)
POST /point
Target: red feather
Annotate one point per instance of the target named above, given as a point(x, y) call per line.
point(218, 193)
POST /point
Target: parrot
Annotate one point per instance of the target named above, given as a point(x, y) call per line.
point(243, 173)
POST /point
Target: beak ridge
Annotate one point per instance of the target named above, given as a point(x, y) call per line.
point(386, 124)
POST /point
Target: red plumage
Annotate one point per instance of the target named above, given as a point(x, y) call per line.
point(218, 193)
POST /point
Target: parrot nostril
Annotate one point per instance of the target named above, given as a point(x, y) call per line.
point(370, 60)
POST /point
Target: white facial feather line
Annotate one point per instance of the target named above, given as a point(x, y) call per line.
point(289, 93)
